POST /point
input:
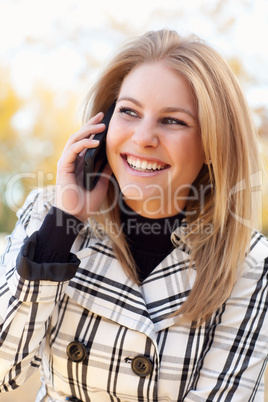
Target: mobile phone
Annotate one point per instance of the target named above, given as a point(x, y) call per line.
point(95, 159)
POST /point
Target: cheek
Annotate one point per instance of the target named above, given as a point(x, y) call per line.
point(188, 153)
point(109, 142)
point(111, 139)
point(189, 146)
point(116, 136)
point(196, 147)
point(109, 149)
point(114, 133)
point(113, 142)
point(196, 153)
point(199, 151)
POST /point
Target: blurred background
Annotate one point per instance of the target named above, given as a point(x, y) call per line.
point(51, 52)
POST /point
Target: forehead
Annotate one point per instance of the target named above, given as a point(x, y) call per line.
point(158, 83)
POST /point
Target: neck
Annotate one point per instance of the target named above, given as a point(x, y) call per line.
point(153, 209)
point(147, 233)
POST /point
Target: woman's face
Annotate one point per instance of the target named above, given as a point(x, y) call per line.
point(153, 143)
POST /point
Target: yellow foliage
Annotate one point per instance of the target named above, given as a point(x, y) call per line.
point(237, 68)
point(32, 152)
point(264, 217)
point(55, 121)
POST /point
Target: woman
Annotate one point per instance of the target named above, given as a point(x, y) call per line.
point(164, 295)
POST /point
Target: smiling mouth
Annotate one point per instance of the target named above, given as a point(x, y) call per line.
point(142, 165)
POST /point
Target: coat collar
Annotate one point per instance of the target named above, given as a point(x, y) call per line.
point(102, 287)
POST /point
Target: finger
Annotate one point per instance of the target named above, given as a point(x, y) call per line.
point(95, 119)
point(93, 126)
point(77, 148)
point(84, 132)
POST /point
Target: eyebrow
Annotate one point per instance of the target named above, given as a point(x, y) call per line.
point(169, 109)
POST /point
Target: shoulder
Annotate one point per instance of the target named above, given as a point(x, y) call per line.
point(250, 291)
point(258, 251)
point(35, 208)
point(254, 270)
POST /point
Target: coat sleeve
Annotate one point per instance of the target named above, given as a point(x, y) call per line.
point(26, 305)
point(235, 356)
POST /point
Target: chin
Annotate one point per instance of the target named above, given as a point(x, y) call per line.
point(132, 192)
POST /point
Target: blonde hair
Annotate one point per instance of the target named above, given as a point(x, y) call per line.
point(230, 147)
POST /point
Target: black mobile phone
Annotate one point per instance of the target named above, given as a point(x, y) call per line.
point(95, 158)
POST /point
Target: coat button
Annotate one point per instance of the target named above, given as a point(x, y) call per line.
point(141, 365)
point(76, 351)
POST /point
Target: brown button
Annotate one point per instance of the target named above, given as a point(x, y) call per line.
point(141, 365)
point(76, 351)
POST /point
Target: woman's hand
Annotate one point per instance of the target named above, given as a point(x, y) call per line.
point(71, 196)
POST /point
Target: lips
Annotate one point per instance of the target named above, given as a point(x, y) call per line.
point(144, 165)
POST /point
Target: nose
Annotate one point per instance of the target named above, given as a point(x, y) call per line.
point(145, 134)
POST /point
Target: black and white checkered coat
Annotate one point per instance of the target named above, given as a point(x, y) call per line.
point(115, 320)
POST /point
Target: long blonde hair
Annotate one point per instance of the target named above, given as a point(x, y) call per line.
point(231, 151)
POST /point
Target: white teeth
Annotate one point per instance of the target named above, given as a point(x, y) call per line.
point(143, 165)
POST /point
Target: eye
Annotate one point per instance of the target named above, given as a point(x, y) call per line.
point(172, 121)
point(128, 111)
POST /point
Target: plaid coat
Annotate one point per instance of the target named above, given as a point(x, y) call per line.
point(96, 336)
